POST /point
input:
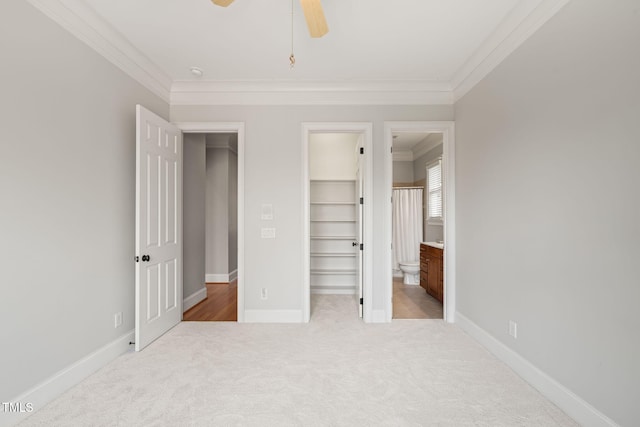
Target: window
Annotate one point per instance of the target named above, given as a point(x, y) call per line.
point(434, 192)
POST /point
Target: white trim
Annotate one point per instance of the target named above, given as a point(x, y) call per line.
point(290, 92)
point(522, 22)
point(334, 291)
point(68, 377)
point(366, 129)
point(403, 156)
point(448, 164)
point(568, 401)
point(221, 277)
point(216, 278)
point(379, 316)
point(273, 316)
point(224, 127)
point(424, 149)
point(85, 24)
point(194, 299)
point(88, 26)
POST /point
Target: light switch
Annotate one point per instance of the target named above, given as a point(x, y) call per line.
point(267, 211)
point(268, 233)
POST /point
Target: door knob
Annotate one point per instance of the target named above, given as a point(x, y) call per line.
point(354, 244)
point(146, 258)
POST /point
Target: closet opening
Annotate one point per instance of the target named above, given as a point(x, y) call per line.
point(337, 218)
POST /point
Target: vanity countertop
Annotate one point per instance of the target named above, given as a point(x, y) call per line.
point(434, 244)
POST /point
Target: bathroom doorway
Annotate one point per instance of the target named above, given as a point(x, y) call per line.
point(412, 226)
point(437, 249)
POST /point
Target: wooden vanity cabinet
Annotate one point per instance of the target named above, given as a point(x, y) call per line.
point(424, 267)
point(431, 271)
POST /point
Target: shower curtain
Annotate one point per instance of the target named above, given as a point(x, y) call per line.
point(407, 225)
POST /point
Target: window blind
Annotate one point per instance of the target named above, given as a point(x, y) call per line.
point(434, 187)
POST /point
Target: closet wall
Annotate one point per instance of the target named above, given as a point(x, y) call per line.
point(332, 173)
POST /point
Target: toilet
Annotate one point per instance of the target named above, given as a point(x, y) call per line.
point(411, 271)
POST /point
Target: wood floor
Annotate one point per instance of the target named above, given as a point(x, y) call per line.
point(413, 302)
point(221, 304)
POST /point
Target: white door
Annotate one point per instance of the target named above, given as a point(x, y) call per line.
point(359, 224)
point(158, 227)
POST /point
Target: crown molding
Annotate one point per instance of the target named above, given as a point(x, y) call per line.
point(403, 156)
point(289, 92)
point(427, 144)
point(84, 23)
point(524, 20)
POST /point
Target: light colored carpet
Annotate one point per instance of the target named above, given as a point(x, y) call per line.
point(335, 371)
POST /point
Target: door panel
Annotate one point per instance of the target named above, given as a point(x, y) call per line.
point(158, 227)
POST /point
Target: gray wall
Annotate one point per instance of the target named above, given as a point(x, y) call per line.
point(67, 187)
point(217, 224)
point(273, 173)
point(222, 209)
point(193, 212)
point(548, 206)
point(420, 164)
point(233, 210)
point(402, 172)
point(432, 232)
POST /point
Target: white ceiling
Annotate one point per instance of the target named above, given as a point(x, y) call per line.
point(412, 47)
point(251, 39)
point(407, 146)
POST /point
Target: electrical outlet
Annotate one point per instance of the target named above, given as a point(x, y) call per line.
point(117, 318)
point(263, 293)
point(268, 233)
point(513, 329)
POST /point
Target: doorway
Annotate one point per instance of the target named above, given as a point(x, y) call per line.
point(210, 226)
point(417, 224)
point(446, 129)
point(226, 287)
point(337, 213)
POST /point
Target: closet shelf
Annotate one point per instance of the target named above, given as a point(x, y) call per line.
point(333, 220)
point(333, 272)
point(333, 237)
point(333, 203)
point(333, 254)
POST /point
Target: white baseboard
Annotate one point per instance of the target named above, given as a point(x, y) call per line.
point(219, 278)
point(379, 316)
point(568, 401)
point(233, 275)
point(273, 316)
point(333, 291)
point(60, 382)
point(193, 299)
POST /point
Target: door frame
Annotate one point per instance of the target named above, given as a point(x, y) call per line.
point(238, 128)
point(365, 129)
point(447, 128)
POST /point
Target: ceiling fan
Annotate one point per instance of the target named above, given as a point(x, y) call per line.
point(313, 13)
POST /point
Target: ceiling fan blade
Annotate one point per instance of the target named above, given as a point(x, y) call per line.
point(223, 3)
point(314, 15)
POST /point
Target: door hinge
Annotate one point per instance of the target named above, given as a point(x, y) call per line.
point(392, 149)
point(361, 150)
point(137, 258)
point(361, 246)
point(362, 200)
point(361, 301)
